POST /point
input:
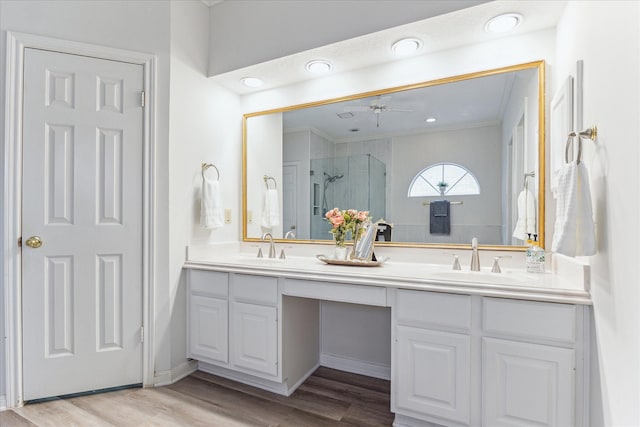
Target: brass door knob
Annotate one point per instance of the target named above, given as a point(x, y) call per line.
point(34, 242)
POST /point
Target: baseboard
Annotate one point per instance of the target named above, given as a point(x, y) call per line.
point(404, 421)
point(241, 377)
point(302, 380)
point(355, 366)
point(175, 374)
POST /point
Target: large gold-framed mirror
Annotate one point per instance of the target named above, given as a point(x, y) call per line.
point(475, 140)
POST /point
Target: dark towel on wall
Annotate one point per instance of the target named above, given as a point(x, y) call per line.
point(439, 218)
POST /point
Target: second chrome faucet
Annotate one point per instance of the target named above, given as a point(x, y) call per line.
point(475, 258)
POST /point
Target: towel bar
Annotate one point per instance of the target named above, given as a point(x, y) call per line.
point(206, 166)
point(590, 133)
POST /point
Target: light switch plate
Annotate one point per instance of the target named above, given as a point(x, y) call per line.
point(249, 217)
point(227, 216)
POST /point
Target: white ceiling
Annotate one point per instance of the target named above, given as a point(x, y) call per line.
point(442, 32)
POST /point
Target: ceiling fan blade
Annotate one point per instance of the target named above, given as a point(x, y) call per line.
point(357, 108)
point(398, 110)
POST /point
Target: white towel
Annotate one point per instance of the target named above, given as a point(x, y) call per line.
point(211, 212)
point(526, 222)
point(574, 231)
point(271, 210)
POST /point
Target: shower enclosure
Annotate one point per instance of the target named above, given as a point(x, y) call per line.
point(354, 182)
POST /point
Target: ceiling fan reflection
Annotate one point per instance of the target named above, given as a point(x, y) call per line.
point(377, 107)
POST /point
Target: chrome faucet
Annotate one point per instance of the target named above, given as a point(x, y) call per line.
point(272, 248)
point(290, 235)
point(475, 258)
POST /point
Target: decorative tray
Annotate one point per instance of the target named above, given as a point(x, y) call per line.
point(351, 262)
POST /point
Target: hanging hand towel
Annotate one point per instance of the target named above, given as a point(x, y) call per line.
point(439, 219)
point(574, 231)
point(526, 222)
point(271, 211)
point(211, 212)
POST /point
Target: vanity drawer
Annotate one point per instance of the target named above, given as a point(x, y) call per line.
point(340, 292)
point(209, 283)
point(530, 319)
point(255, 289)
point(433, 309)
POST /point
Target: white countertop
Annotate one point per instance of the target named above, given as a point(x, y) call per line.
point(511, 283)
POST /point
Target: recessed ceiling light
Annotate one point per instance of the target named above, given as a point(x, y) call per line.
point(406, 46)
point(503, 23)
point(346, 115)
point(431, 120)
point(354, 130)
point(319, 66)
point(252, 82)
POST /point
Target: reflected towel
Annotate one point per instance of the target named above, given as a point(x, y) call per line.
point(526, 222)
point(439, 219)
point(211, 212)
point(271, 210)
point(574, 231)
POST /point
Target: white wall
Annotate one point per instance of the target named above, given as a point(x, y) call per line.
point(205, 126)
point(606, 36)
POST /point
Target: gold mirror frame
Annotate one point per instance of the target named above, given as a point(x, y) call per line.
point(539, 65)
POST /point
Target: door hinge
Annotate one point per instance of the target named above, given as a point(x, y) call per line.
point(20, 241)
point(141, 333)
point(142, 98)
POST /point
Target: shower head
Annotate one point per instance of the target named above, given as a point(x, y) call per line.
point(330, 178)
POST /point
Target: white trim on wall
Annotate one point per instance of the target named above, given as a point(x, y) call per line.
point(12, 196)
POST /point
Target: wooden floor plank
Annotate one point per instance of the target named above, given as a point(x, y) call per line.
point(10, 418)
point(344, 391)
point(303, 400)
point(56, 413)
point(376, 384)
point(328, 398)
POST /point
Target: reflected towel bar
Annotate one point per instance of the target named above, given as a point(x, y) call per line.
point(266, 181)
point(206, 166)
point(451, 203)
point(531, 174)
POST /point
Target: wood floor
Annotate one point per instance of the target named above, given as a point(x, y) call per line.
point(327, 398)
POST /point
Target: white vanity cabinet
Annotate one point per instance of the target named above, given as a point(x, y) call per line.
point(460, 360)
point(431, 356)
point(254, 324)
point(208, 320)
point(531, 356)
point(241, 326)
point(462, 354)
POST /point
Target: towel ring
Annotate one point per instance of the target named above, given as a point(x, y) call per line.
point(206, 166)
point(270, 178)
point(591, 134)
point(531, 174)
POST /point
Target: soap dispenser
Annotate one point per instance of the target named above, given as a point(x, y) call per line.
point(535, 257)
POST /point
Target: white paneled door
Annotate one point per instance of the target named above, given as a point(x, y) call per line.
point(81, 224)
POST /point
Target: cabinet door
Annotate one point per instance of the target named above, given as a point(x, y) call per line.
point(255, 338)
point(208, 329)
point(433, 373)
point(527, 384)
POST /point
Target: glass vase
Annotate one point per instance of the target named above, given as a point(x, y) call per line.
point(340, 250)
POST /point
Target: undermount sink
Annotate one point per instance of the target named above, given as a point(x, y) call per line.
point(253, 260)
point(505, 278)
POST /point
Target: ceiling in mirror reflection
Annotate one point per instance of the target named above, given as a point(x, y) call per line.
point(461, 103)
